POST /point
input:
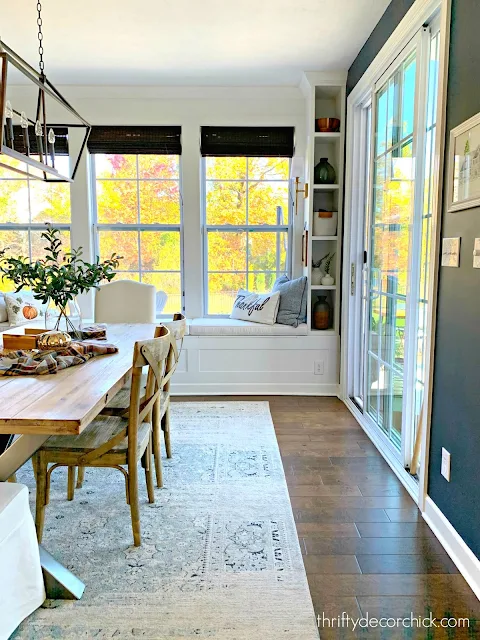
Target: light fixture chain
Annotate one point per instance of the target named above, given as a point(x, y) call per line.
point(41, 64)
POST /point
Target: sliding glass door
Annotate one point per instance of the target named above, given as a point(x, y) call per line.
point(392, 301)
point(393, 185)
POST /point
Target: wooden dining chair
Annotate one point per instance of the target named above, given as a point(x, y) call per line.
point(161, 413)
point(112, 440)
point(161, 420)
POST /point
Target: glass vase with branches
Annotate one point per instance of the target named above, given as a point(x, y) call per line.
point(59, 277)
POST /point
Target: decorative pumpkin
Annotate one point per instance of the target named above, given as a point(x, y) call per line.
point(29, 312)
point(53, 340)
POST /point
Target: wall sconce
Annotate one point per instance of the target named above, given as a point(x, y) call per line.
point(297, 191)
point(297, 170)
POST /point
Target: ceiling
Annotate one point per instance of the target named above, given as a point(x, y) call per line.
point(190, 42)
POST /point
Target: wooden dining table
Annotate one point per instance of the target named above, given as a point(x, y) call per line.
point(37, 407)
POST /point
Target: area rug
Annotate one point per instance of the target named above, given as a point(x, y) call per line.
point(220, 556)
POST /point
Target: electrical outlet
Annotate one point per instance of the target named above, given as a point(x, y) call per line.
point(318, 368)
point(445, 464)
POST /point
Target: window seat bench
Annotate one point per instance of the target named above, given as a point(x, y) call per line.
point(223, 356)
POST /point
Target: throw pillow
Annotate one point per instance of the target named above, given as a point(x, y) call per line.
point(293, 300)
point(256, 307)
point(22, 308)
point(3, 309)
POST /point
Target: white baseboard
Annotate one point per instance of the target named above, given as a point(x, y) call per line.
point(465, 560)
point(254, 389)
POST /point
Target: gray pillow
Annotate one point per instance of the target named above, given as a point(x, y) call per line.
point(293, 300)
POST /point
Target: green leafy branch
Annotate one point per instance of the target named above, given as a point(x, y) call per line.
point(328, 262)
point(57, 277)
point(316, 264)
point(327, 259)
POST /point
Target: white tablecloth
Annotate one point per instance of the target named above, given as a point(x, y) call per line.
point(21, 581)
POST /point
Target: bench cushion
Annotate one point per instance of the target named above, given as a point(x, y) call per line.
point(231, 327)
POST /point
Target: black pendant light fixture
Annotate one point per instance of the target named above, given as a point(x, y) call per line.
point(30, 144)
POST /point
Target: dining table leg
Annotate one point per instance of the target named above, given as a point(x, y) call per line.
point(60, 583)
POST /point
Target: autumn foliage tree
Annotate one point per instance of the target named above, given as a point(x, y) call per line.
point(247, 193)
point(144, 190)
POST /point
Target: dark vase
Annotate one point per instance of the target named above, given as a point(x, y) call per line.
point(321, 313)
point(324, 173)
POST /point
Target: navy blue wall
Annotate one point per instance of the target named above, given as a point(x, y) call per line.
point(384, 29)
point(456, 400)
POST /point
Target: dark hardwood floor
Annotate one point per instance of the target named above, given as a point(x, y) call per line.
point(366, 547)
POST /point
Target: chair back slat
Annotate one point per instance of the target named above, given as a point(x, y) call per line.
point(153, 350)
point(177, 328)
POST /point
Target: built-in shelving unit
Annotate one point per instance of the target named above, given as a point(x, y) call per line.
point(325, 96)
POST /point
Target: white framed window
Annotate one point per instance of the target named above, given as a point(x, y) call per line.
point(247, 227)
point(26, 204)
point(138, 214)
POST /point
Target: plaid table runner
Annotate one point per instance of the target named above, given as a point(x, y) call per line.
point(37, 363)
point(94, 332)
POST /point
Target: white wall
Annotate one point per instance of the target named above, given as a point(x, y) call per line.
point(190, 107)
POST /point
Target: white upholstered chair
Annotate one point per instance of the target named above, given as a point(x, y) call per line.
point(21, 585)
point(125, 301)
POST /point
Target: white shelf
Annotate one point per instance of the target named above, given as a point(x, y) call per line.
point(323, 287)
point(325, 238)
point(325, 332)
point(331, 136)
point(326, 187)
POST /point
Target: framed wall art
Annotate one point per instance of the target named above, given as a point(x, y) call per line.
point(463, 180)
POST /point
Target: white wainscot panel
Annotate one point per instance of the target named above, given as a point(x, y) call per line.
point(213, 365)
point(261, 361)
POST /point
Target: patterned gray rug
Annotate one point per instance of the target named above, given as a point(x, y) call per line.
point(220, 556)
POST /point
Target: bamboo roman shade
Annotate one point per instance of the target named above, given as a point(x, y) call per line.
point(248, 141)
point(147, 140)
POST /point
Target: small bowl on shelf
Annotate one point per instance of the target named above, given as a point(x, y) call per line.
point(327, 125)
